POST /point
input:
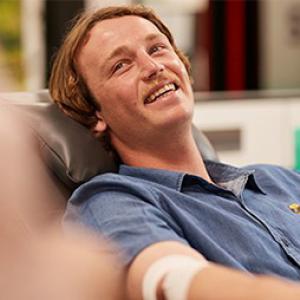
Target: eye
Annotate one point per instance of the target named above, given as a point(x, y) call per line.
point(120, 65)
point(157, 48)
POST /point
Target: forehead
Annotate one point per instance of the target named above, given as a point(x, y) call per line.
point(112, 33)
point(122, 28)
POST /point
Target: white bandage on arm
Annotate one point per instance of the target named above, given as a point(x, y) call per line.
point(177, 273)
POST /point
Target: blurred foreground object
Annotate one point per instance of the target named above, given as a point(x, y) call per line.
point(38, 261)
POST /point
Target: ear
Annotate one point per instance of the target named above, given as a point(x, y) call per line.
point(100, 126)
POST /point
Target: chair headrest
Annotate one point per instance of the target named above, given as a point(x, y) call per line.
point(69, 149)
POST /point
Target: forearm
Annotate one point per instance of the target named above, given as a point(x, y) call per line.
point(209, 282)
point(219, 283)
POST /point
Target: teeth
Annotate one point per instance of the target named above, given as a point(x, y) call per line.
point(167, 88)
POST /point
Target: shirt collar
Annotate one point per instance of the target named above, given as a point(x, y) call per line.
point(238, 178)
point(219, 172)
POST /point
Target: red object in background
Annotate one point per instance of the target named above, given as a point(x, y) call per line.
point(235, 45)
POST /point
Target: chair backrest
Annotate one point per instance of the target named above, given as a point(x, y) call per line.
point(68, 148)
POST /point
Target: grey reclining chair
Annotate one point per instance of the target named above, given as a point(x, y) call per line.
point(68, 148)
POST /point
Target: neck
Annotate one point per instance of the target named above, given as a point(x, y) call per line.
point(175, 154)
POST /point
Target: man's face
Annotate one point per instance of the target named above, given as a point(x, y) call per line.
point(139, 81)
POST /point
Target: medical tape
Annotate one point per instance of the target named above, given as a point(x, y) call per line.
point(176, 271)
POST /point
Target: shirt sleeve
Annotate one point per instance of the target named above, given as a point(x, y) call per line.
point(130, 221)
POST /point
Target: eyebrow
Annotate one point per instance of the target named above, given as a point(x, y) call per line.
point(154, 36)
point(124, 49)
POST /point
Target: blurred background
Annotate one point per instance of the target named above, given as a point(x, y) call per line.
point(233, 44)
point(245, 56)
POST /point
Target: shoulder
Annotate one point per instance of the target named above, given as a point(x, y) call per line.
point(115, 192)
point(109, 196)
point(110, 183)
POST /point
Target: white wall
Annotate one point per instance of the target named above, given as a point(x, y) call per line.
point(33, 43)
point(267, 128)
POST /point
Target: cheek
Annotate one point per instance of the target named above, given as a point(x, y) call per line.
point(119, 99)
point(127, 92)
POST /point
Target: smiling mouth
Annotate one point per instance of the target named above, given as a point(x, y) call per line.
point(162, 91)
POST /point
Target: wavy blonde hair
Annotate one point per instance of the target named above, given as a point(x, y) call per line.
point(67, 87)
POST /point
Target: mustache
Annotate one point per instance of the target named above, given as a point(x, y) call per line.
point(163, 77)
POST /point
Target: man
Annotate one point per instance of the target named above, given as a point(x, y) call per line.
point(120, 73)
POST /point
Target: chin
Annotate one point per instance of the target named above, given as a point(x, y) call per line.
point(176, 119)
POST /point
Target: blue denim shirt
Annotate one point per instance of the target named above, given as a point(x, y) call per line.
point(243, 222)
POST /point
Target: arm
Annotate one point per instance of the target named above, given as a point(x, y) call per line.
point(214, 282)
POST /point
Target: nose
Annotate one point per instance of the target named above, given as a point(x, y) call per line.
point(151, 67)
